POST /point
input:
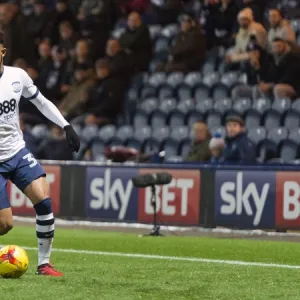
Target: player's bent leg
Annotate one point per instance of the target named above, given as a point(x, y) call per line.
point(6, 220)
point(38, 192)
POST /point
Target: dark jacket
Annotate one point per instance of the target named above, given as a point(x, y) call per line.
point(106, 98)
point(189, 48)
point(199, 152)
point(139, 43)
point(55, 149)
point(120, 65)
point(239, 150)
point(288, 70)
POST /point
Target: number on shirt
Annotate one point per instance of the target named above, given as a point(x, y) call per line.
point(29, 157)
point(8, 106)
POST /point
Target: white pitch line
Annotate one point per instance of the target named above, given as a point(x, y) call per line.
point(173, 258)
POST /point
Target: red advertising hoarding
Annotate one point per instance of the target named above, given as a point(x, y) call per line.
point(22, 206)
point(288, 200)
point(178, 203)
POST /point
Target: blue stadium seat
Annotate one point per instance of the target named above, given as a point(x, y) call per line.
point(148, 92)
point(186, 105)
point(161, 133)
point(158, 119)
point(222, 105)
point(242, 91)
point(107, 132)
point(192, 79)
point(296, 105)
point(77, 128)
point(142, 133)
point(292, 119)
point(214, 119)
point(252, 119)
point(262, 105)
point(281, 105)
point(140, 119)
point(180, 133)
point(149, 105)
point(97, 148)
point(295, 135)
point(161, 44)
point(89, 132)
point(266, 150)
point(204, 105)
point(176, 118)
point(157, 79)
point(230, 78)
point(132, 94)
point(124, 132)
point(115, 142)
point(175, 79)
point(211, 79)
point(168, 105)
point(151, 145)
point(272, 119)
point(185, 147)
point(165, 91)
point(256, 135)
point(193, 117)
point(184, 91)
point(220, 91)
point(242, 105)
point(170, 30)
point(171, 147)
point(288, 150)
point(40, 131)
point(133, 143)
point(277, 135)
point(202, 91)
point(209, 66)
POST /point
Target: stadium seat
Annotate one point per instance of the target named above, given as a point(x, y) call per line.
point(138, 80)
point(176, 118)
point(272, 119)
point(97, 149)
point(77, 128)
point(185, 147)
point(292, 120)
point(133, 143)
point(193, 117)
point(214, 119)
point(149, 105)
point(140, 119)
point(170, 147)
point(209, 66)
point(192, 79)
point(241, 91)
point(161, 44)
point(186, 105)
point(277, 135)
point(174, 79)
point(296, 105)
point(252, 119)
point(222, 105)
point(184, 91)
point(262, 105)
point(157, 79)
point(281, 105)
point(202, 92)
point(161, 133)
point(151, 145)
point(158, 119)
point(155, 31)
point(124, 132)
point(89, 132)
point(164, 92)
point(242, 105)
point(168, 105)
point(230, 78)
point(266, 150)
point(107, 132)
point(294, 135)
point(256, 135)
point(170, 30)
point(211, 79)
point(40, 131)
point(142, 133)
point(220, 91)
point(204, 105)
point(132, 94)
point(148, 92)
point(180, 133)
point(288, 150)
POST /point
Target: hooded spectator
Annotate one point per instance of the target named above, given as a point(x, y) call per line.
point(199, 151)
point(137, 42)
point(239, 149)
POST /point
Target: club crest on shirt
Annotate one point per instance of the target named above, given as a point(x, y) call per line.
point(16, 86)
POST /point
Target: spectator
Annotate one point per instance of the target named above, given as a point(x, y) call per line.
point(249, 31)
point(280, 28)
point(105, 100)
point(222, 21)
point(118, 59)
point(189, 49)
point(139, 6)
point(258, 8)
point(30, 140)
point(68, 38)
point(55, 147)
point(136, 40)
point(73, 103)
point(238, 148)
point(166, 11)
point(216, 147)
point(287, 60)
point(199, 151)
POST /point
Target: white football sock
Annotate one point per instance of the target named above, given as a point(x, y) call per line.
point(44, 248)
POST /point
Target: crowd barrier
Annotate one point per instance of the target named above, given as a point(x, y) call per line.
point(264, 197)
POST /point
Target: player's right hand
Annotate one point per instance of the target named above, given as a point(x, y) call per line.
point(72, 138)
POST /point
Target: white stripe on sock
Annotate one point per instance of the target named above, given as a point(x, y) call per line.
point(45, 217)
point(46, 228)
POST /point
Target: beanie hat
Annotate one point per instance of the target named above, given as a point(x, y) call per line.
point(246, 13)
point(217, 141)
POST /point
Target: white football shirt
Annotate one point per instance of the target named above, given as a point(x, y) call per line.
point(14, 83)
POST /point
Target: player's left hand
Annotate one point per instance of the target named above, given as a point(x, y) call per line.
point(72, 138)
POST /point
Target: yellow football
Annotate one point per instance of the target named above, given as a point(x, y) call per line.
point(14, 261)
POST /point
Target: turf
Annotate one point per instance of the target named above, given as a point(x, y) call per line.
point(105, 277)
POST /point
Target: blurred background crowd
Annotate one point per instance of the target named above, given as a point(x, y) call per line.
point(206, 81)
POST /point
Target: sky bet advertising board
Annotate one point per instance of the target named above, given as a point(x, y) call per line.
point(110, 195)
point(245, 199)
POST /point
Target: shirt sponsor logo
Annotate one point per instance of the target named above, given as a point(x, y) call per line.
point(16, 86)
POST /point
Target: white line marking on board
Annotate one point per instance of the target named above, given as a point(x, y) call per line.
point(173, 258)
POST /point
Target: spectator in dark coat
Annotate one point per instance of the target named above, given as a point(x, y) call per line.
point(238, 148)
point(166, 11)
point(68, 38)
point(189, 50)
point(106, 98)
point(199, 151)
point(136, 40)
point(55, 147)
point(30, 140)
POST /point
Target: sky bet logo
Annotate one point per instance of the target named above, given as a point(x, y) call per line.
point(110, 194)
point(242, 198)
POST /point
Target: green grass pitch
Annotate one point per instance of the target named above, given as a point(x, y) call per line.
point(99, 277)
